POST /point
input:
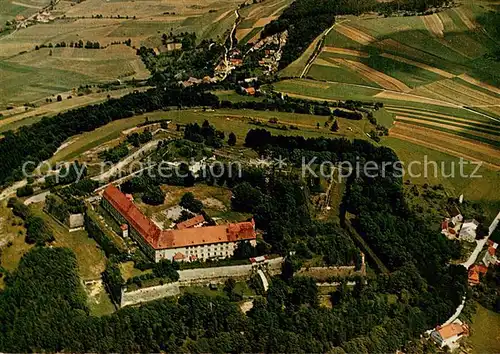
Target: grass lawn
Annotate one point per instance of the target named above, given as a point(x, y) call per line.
point(91, 259)
point(128, 271)
point(384, 117)
point(485, 190)
point(98, 299)
point(204, 290)
point(12, 233)
point(485, 336)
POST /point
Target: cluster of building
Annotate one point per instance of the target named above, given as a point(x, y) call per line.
point(194, 81)
point(272, 54)
point(489, 258)
point(188, 241)
point(455, 226)
point(41, 17)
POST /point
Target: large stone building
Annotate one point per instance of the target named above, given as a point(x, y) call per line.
point(185, 244)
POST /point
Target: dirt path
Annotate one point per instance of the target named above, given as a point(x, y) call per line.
point(419, 65)
point(27, 5)
point(317, 46)
point(381, 79)
point(447, 143)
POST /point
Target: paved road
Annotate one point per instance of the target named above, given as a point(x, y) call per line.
point(480, 243)
point(472, 259)
point(105, 176)
point(36, 198)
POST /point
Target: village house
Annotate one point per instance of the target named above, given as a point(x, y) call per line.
point(250, 91)
point(473, 274)
point(447, 335)
point(468, 230)
point(455, 214)
point(236, 62)
point(490, 256)
point(188, 243)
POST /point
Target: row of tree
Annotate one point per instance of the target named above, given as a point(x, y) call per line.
point(38, 142)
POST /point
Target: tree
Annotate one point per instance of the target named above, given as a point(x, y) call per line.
point(153, 195)
point(59, 98)
point(25, 191)
point(232, 139)
point(335, 126)
point(189, 202)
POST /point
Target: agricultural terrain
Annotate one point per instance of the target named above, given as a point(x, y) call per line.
point(30, 75)
point(434, 73)
point(256, 16)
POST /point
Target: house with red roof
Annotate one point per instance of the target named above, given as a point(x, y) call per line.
point(185, 243)
point(490, 256)
point(448, 335)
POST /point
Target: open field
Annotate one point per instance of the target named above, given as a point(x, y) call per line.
point(13, 119)
point(485, 337)
point(255, 16)
point(441, 57)
point(91, 259)
point(449, 143)
point(12, 242)
point(485, 189)
point(38, 74)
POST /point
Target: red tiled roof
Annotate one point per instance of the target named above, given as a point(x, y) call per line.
point(452, 329)
point(444, 225)
point(482, 268)
point(159, 239)
point(198, 219)
point(250, 91)
point(492, 250)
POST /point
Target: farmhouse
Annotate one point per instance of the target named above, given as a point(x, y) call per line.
point(449, 334)
point(468, 231)
point(490, 256)
point(187, 243)
point(455, 214)
point(473, 274)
